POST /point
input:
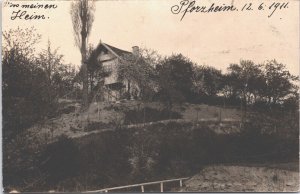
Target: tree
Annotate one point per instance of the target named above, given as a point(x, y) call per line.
point(60, 77)
point(21, 46)
point(51, 63)
point(279, 82)
point(229, 89)
point(207, 80)
point(175, 79)
point(268, 83)
point(139, 70)
point(247, 79)
point(25, 92)
point(82, 14)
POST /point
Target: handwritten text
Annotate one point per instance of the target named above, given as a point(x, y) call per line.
point(189, 6)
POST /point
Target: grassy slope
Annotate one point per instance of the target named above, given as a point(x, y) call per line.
point(108, 115)
point(163, 136)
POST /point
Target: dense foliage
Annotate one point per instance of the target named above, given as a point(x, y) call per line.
point(176, 79)
point(32, 82)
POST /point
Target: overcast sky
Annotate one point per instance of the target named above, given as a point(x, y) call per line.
point(215, 39)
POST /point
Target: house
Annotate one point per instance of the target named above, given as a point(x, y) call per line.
point(110, 57)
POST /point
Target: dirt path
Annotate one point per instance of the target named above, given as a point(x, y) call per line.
point(243, 179)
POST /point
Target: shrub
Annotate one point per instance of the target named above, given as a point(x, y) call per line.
point(60, 160)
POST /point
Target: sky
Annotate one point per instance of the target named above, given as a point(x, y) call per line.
point(215, 39)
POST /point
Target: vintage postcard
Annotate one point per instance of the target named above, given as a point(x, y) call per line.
point(150, 96)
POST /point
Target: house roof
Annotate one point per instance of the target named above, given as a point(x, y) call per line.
point(114, 50)
point(117, 51)
point(92, 60)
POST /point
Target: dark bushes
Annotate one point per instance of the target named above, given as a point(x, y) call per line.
point(60, 160)
point(160, 151)
point(175, 150)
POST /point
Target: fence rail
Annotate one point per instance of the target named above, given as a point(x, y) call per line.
point(141, 185)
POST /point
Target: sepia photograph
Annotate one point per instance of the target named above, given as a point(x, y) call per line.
point(150, 96)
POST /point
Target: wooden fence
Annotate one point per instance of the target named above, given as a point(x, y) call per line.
point(141, 185)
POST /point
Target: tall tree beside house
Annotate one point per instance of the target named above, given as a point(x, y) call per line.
point(96, 72)
point(139, 70)
point(82, 14)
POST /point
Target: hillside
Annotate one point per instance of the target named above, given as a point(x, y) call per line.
point(106, 115)
point(241, 178)
point(113, 144)
point(118, 145)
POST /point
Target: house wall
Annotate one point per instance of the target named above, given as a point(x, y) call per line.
point(109, 62)
point(111, 66)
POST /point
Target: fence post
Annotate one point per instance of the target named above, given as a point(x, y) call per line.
point(144, 114)
point(180, 182)
point(142, 187)
point(106, 191)
point(98, 107)
point(161, 187)
point(220, 114)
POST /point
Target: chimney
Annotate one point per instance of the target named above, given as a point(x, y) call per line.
point(135, 50)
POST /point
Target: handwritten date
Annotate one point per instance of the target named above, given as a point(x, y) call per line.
point(189, 6)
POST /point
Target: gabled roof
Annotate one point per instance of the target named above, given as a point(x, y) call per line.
point(92, 60)
point(115, 50)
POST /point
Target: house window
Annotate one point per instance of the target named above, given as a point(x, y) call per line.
point(108, 67)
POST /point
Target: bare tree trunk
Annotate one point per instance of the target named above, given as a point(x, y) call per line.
point(82, 18)
point(83, 56)
point(85, 76)
point(85, 85)
point(128, 90)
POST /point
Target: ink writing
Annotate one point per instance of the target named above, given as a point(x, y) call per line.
point(28, 11)
point(185, 7)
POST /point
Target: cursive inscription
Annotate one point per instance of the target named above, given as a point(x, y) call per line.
point(26, 11)
point(187, 7)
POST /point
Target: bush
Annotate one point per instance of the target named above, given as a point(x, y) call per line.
point(155, 152)
point(26, 95)
point(60, 160)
